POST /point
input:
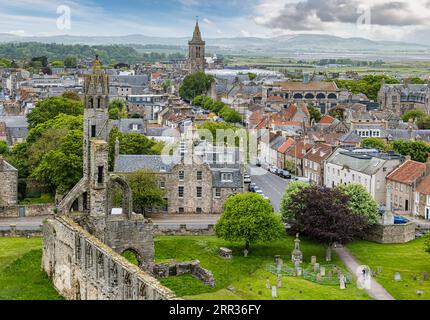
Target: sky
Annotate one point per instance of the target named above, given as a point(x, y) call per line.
point(394, 20)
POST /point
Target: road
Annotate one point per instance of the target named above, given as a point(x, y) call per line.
point(272, 185)
point(158, 219)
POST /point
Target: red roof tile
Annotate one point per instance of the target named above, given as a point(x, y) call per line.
point(327, 119)
point(408, 172)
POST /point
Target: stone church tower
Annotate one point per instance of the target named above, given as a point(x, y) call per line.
point(196, 55)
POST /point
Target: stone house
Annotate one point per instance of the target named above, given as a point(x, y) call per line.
point(403, 182)
point(422, 199)
point(314, 162)
point(281, 152)
point(402, 97)
point(9, 184)
point(296, 154)
point(367, 167)
point(190, 188)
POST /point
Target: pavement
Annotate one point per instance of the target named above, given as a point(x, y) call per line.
point(376, 291)
point(271, 185)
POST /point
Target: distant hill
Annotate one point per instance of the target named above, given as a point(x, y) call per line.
point(294, 44)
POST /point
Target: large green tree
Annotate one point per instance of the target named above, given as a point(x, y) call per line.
point(117, 109)
point(369, 85)
point(415, 115)
point(361, 202)
point(146, 191)
point(249, 218)
point(293, 188)
point(195, 84)
point(374, 143)
point(51, 107)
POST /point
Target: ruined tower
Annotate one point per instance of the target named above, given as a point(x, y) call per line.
point(196, 55)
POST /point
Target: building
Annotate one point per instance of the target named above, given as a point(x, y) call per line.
point(197, 188)
point(9, 184)
point(146, 105)
point(403, 97)
point(367, 167)
point(403, 182)
point(323, 95)
point(296, 153)
point(422, 199)
point(313, 163)
point(196, 54)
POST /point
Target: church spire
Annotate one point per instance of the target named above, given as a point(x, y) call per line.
point(97, 64)
point(197, 36)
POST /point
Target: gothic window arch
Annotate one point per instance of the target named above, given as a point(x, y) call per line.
point(142, 291)
point(113, 274)
point(128, 286)
point(100, 265)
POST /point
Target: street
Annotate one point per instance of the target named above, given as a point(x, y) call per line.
point(272, 185)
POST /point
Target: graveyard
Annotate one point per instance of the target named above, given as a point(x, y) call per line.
point(252, 277)
point(409, 261)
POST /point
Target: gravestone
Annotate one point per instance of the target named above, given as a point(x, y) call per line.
point(397, 276)
point(279, 283)
point(279, 265)
point(342, 282)
point(424, 275)
point(328, 254)
point(299, 272)
point(322, 271)
point(274, 292)
point(318, 278)
point(267, 284)
point(330, 276)
point(245, 253)
point(379, 269)
point(277, 257)
point(414, 277)
point(420, 282)
point(225, 253)
point(297, 254)
point(313, 260)
point(335, 270)
point(316, 267)
point(260, 292)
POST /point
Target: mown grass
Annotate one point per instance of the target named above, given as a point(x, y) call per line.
point(21, 277)
point(245, 276)
point(409, 259)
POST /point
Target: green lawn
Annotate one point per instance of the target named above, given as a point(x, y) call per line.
point(246, 275)
point(20, 274)
point(409, 259)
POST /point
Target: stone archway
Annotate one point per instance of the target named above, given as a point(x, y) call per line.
point(132, 256)
point(127, 199)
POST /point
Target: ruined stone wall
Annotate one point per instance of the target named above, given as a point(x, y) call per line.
point(34, 210)
point(83, 268)
point(8, 184)
point(393, 233)
point(184, 230)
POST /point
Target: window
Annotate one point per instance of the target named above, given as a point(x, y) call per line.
point(199, 192)
point(199, 176)
point(181, 175)
point(180, 192)
point(181, 210)
point(218, 193)
point(135, 127)
point(93, 131)
point(198, 210)
point(428, 200)
point(100, 177)
point(226, 176)
point(162, 185)
point(417, 197)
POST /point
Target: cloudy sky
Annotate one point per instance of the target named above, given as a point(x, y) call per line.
point(397, 20)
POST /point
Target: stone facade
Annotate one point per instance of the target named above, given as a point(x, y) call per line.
point(196, 54)
point(9, 183)
point(35, 210)
point(403, 97)
point(83, 268)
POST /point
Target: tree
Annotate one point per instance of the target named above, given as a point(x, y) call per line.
point(418, 150)
point(415, 115)
point(3, 147)
point(71, 62)
point(315, 114)
point(338, 113)
point(249, 218)
point(146, 191)
point(195, 84)
point(117, 109)
point(51, 107)
point(293, 188)
point(374, 143)
point(166, 85)
point(369, 85)
point(323, 214)
point(71, 95)
point(424, 123)
point(361, 202)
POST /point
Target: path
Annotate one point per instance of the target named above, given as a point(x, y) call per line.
point(376, 291)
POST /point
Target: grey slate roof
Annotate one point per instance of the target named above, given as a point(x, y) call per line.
point(155, 163)
point(126, 125)
point(404, 134)
point(237, 181)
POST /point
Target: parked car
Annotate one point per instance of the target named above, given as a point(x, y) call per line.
point(252, 187)
point(246, 179)
point(285, 174)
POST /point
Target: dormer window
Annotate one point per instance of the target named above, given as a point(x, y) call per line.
point(226, 177)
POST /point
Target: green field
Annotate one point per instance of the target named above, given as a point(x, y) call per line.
point(246, 276)
point(409, 259)
point(20, 274)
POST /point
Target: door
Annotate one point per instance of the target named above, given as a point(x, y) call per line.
point(407, 205)
point(21, 212)
point(427, 214)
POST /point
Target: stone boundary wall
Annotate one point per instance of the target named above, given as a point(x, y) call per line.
point(392, 233)
point(184, 230)
point(34, 210)
point(83, 268)
point(13, 231)
point(174, 268)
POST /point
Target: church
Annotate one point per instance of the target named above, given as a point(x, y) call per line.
point(196, 52)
